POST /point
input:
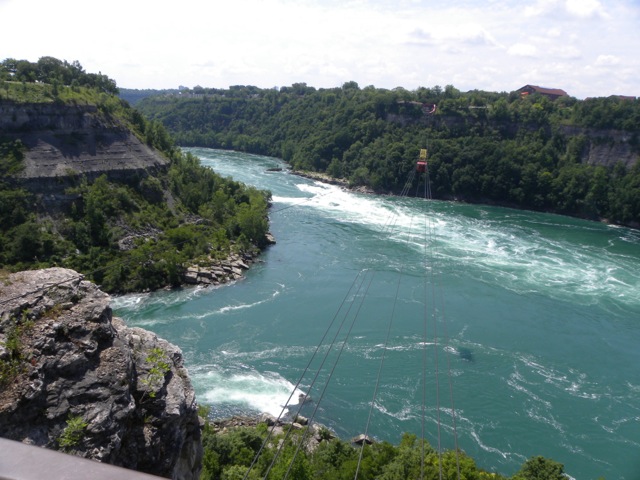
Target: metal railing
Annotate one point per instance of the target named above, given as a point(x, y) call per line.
point(27, 462)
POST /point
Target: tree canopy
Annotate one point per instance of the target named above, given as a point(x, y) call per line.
point(528, 152)
point(230, 454)
point(53, 71)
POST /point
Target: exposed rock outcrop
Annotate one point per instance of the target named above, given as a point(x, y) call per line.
point(69, 368)
point(314, 433)
point(606, 147)
point(217, 272)
point(66, 142)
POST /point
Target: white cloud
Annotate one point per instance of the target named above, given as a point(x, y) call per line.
point(577, 8)
point(585, 8)
point(541, 7)
point(568, 52)
point(523, 50)
point(607, 60)
point(500, 45)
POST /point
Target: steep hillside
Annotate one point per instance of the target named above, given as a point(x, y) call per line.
point(565, 156)
point(88, 183)
point(63, 142)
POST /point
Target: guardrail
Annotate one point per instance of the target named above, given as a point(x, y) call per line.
point(27, 462)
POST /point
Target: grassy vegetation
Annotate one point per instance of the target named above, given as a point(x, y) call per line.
point(13, 362)
point(72, 433)
point(23, 92)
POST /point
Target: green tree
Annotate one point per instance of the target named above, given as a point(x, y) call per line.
point(540, 468)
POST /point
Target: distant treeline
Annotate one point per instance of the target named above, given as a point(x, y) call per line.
point(503, 148)
point(133, 95)
point(53, 71)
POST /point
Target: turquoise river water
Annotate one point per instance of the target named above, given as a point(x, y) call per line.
point(513, 333)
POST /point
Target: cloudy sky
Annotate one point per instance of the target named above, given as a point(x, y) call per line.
point(586, 47)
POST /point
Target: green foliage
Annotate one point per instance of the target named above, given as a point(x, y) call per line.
point(230, 453)
point(72, 433)
point(50, 70)
point(13, 364)
point(167, 221)
point(540, 468)
point(11, 156)
point(158, 366)
point(483, 146)
point(223, 452)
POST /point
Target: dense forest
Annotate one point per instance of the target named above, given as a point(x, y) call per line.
point(230, 455)
point(133, 236)
point(503, 148)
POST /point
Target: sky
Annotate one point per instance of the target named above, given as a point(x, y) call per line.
point(588, 48)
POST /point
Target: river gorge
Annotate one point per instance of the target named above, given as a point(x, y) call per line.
point(531, 345)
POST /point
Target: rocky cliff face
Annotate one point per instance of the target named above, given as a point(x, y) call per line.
point(64, 142)
point(606, 147)
point(76, 379)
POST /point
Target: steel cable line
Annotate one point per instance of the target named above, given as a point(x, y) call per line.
point(384, 349)
point(371, 276)
point(405, 190)
point(424, 346)
point(386, 229)
point(310, 361)
point(346, 315)
point(437, 293)
point(430, 236)
point(437, 284)
point(284, 408)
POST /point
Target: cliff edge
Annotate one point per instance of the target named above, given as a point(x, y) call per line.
point(76, 379)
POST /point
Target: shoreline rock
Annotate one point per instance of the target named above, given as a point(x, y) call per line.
point(216, 272)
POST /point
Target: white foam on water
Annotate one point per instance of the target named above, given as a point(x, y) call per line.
point(140, 301)
point(516, 256)
point(243, 306)
point(261, 392)
point(487, 448)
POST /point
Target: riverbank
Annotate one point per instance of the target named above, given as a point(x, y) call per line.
point(215, 272)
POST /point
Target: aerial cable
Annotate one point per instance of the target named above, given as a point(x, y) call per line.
point(430, 311)
point(384, 349)
point(424, 332)
point(387, 228)
point(342, 323)
point(348, 294)
point(438, 294)
point(438, 284)
point(371, 275)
